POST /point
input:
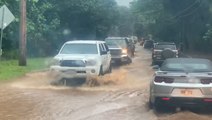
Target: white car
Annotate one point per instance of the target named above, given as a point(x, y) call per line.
point(82, 58)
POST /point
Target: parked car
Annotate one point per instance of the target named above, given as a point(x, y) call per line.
point(82, 59)
point(162, 51)
point(148, 44)
point(181, 82)
point(120, 49)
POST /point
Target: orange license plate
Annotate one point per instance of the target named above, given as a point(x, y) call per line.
point(186, 92)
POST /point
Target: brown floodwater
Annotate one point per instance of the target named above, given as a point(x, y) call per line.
point(121, 95)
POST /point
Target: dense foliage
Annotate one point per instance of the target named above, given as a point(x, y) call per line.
point(52, 22)
point(181, 21)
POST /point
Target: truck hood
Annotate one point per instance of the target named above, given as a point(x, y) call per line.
point(115, 47)
point(75, 57)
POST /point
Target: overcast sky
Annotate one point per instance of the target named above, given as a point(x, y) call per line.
point(124, 2)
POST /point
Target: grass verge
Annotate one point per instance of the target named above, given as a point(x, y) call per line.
point(9, 69)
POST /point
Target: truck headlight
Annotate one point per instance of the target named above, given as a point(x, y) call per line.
point(91, 62)
point(124, 51)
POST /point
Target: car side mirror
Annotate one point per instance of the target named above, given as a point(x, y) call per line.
point(156, 67)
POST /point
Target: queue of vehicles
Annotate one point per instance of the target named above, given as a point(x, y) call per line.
point(178, 82)
point(88, 58)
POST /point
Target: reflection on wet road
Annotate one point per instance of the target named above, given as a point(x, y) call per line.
point(122, 95)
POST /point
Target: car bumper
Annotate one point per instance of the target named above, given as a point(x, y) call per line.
point(122, 58)
point(75, 72)
point(184, 102)
point(174, 93)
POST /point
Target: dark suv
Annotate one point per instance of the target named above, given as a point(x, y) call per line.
point(148, 44)
point(120, 49)
point(162, 51)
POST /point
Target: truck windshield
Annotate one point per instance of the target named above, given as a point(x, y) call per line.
point(79, 49)
point(116, 42)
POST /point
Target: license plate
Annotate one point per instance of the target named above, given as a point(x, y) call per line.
point(187, 92)
point(69, 72)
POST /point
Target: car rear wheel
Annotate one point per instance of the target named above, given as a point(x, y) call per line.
point(150, 104)
point(157, 106)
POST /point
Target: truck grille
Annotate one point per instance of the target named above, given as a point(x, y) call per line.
point(72, 63)
point(115, 52)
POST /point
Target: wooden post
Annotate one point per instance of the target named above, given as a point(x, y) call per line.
point(22, 42)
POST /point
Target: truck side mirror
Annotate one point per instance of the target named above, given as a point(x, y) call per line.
point(156, 67)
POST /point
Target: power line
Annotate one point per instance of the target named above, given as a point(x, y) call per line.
point(180, 14)
point(184, 10)
point(187, 14)
point(192, 11)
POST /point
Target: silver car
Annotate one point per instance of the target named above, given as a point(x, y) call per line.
point(181, 82)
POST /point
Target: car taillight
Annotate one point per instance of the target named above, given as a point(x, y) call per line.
point(163, 79)
point(207, 100)
point(206, 81)
point(165, 99)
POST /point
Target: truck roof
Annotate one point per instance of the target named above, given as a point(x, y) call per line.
point(85, 41)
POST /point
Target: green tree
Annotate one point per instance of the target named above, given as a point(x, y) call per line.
point(87, 19)
point(51, 22)
point(180, 21)
point(125, 24)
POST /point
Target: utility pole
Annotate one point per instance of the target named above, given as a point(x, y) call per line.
point(2, 28)
point(22, 40)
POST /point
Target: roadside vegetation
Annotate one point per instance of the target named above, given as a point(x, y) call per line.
point(50, 23)
point(9, 69)
point(186, 22)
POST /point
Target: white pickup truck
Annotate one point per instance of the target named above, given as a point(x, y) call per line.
point(82, 58)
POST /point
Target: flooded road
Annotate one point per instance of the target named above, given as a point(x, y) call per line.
point(122, 95)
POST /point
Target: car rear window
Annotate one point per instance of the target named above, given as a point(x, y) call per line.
point(187, 66)
point(79, 49)
point(173, 47)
